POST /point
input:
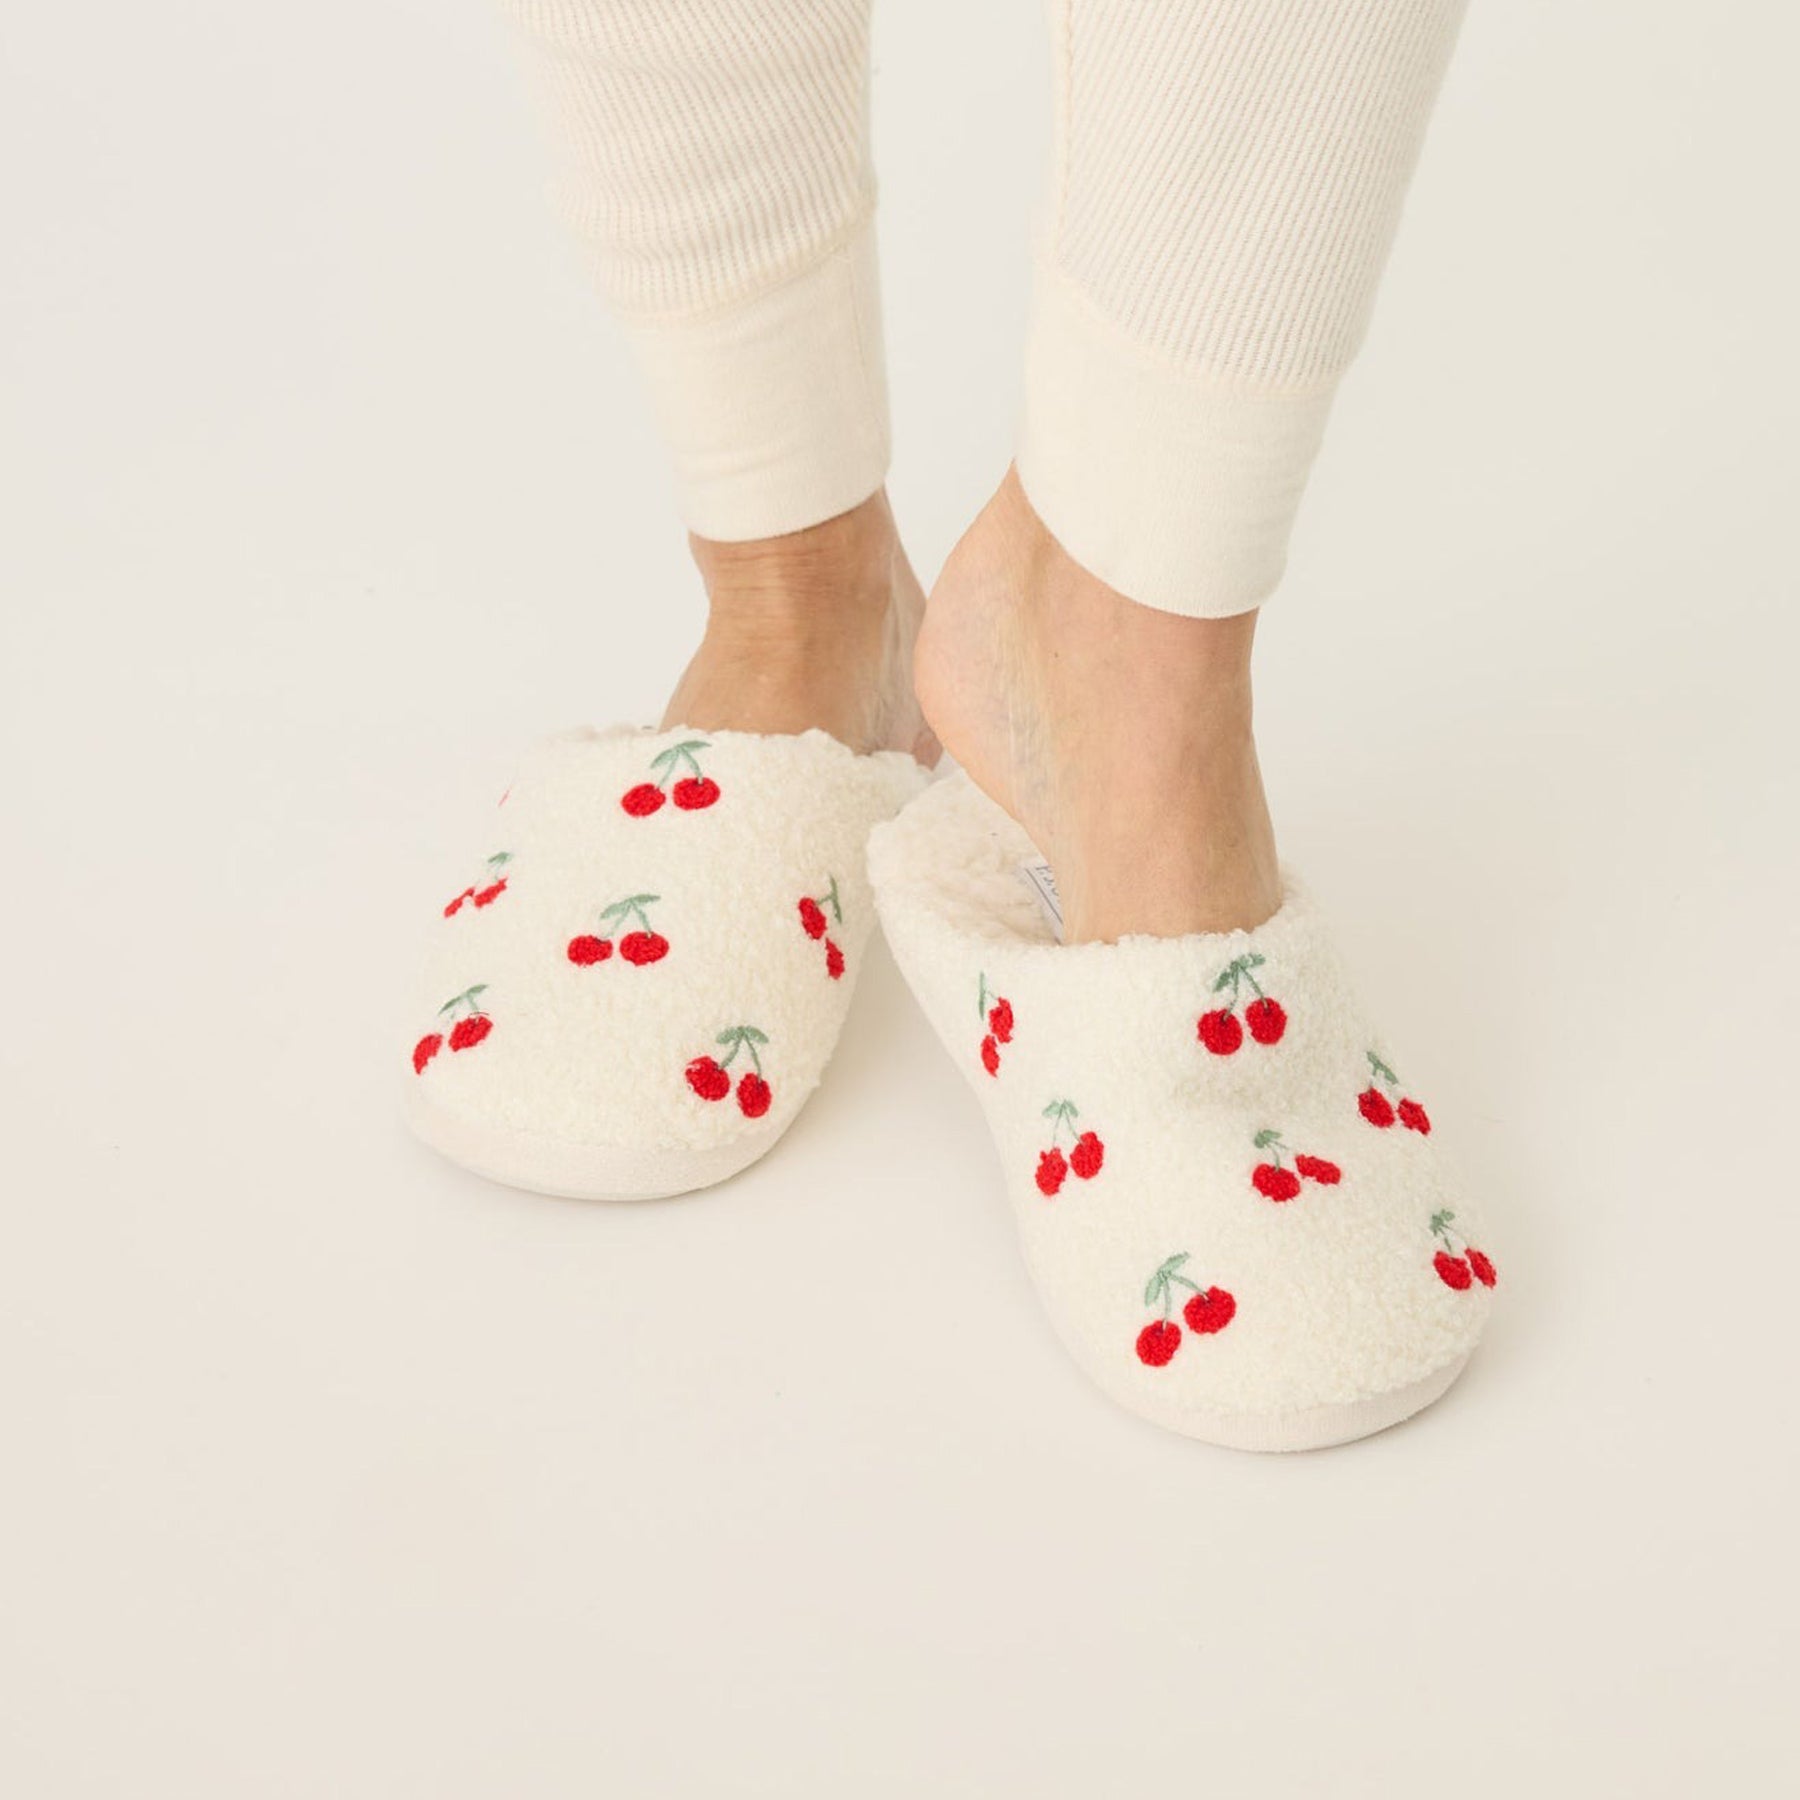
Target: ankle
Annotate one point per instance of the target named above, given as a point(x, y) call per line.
point(1121, 737)
point(810, 630)
point(837, 575)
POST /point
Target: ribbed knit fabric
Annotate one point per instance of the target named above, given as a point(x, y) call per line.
point(1229, 174)
point(715, 165)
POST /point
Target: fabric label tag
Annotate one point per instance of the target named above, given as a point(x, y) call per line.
point(1036, 875)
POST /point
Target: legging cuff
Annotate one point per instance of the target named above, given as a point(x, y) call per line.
point(1177, 488)
point(775, 408)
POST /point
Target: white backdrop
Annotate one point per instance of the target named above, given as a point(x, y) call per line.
point(332, 1471)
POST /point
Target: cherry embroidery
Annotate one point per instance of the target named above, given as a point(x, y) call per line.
point(813, 922)
point(1274, 1180)
point(812, 912)
point(1377, 1104)
point(636, 947)
point(997, 1015)
point(692, 793)
point(711, 1079)
point(707, 1079)
point(1459, 1269)
point(1083, 1159)
point(471, 1027)
point(1206, 1310)
point(486, 891)
point(1087, 1156)
point(1220, 1030)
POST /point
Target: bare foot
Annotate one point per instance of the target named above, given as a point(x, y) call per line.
point(812, 629)
point(1118, 736)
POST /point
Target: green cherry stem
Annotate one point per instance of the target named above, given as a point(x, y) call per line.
point(1158, 1284)
point(1167, 1281)
point(633, 906)
point(666, 760)
point(742, 1037)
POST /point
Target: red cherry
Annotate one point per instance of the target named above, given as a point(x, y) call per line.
point(1266, 1020)
point(642, 947)
point(425, 1049)
point(1374, 1106)
point(1220, 1032)
point(1087, 1156)
point(812, 918)
point(691, 793)
point(1000, 1020)
point(753, 1096)
point(1412, 1116)
point(990, 1056)
point(489, 895)
point(455, 905)
point(1484, 1269)
point(1052, 1169)
point(1210, 1311)
point(465, 1034)
point(834, 961)
point(642, 800)
point(1316, 1168)
point(707, 1079)
point(1275, 1183)
point(1452, 1270)
point(586, 951)
point(1157, 1343)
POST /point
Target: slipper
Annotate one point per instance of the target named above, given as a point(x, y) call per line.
point(646, 967)
point(1234, 1208)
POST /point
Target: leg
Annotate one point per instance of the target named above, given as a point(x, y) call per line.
point(1229, 177)
point(1230, 1199)
point(717, 169)
point(707, 884)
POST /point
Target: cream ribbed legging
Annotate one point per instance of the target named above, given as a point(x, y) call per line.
point(1228, 177)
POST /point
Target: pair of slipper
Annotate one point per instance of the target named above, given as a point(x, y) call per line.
point(1233, 1207)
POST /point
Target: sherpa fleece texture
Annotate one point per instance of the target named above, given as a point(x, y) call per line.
point(1236, 1212)
point(642, 967)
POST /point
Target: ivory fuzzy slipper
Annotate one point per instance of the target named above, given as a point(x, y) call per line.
point(647, 967)
point(1234, 1208)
